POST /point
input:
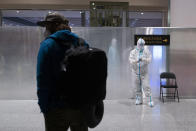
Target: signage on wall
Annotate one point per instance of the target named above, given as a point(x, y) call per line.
point(154, 39)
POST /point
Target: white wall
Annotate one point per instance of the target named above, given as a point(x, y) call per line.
point(182, 45)
point(183, 13)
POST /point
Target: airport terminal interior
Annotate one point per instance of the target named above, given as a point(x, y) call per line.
point(113, 27)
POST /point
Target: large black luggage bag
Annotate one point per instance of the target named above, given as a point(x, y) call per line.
point(85, 72)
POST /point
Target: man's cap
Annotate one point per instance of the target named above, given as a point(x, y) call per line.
point(53, 18)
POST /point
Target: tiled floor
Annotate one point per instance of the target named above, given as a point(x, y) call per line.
point(120, 115)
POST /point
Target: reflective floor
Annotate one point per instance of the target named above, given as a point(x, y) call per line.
point(120, 115)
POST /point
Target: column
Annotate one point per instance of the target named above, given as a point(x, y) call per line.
point(83, 18)
point(1, 18)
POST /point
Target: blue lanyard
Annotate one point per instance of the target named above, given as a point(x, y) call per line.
point(140, 54)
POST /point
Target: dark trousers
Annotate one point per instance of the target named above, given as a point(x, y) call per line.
point(62, 119)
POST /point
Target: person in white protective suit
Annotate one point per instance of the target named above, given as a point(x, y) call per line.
point(139, 59)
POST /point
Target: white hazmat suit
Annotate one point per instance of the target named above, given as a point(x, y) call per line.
point(139, 59)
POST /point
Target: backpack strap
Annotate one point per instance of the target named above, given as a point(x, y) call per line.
point(81, 42)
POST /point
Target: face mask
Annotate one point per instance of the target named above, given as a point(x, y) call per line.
point(141, 47)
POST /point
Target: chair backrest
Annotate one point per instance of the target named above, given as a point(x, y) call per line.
point(168, 78)
point(167, 75)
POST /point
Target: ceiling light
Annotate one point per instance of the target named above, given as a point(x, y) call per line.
point(93, 3)
point(17, 11)
point(142, 13)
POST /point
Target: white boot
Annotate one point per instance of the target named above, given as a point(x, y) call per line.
point(151, 103)
point(139, 100)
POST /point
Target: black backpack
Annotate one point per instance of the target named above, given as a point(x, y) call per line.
point(83, 75)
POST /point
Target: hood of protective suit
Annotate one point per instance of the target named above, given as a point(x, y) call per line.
point(140, 44)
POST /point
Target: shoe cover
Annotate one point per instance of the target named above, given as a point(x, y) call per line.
point(151, 103)
point(139, 100)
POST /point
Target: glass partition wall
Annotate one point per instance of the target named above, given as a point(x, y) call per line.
point(19, 47)
point(18, 52)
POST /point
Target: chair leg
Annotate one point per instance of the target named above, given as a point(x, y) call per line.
point(162, 94)
point(175, 94)
point(178, 95)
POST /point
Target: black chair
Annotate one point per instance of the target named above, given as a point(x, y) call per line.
point(168, 81)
